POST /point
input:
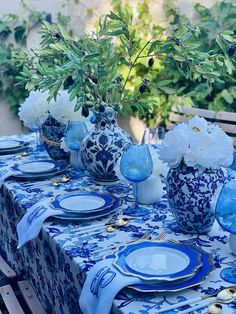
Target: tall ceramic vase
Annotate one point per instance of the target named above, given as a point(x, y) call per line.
point(103, 146)
point(189, 193)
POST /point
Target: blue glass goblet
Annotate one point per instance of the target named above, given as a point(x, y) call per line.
point(231, 171)
point(75, 132)
point(226, 217)
point(136, 166)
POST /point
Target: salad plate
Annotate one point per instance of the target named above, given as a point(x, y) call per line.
point(22, 146)
point(9, 144)
point(62, 168)
point(83, 202)
point(150, 260)
point(90, 216)
point(37, 167)
point(199, 277)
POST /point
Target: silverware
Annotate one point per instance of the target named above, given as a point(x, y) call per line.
point(114, 248)
point(226, 295)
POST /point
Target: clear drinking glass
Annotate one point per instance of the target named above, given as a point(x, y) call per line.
point(153, 136)
point(226, 216)
point(136, 166)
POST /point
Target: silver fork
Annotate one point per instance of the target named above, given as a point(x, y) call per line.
point(3, 172)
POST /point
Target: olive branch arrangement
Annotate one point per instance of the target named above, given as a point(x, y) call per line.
point(90, 67)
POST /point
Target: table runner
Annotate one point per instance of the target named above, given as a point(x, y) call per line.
point(58, 260)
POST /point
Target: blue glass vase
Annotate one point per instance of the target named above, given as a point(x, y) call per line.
point(189, 193)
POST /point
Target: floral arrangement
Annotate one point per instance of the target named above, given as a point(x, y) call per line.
point(36, 109)
point(198, 144)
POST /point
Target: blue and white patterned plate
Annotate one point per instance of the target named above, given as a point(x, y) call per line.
point(200, 276)
point(83, 202)
point(37, 167)
point(150, 260)
point(18, 147)
point(62, 168)
point(91, 216)
point(9, 144)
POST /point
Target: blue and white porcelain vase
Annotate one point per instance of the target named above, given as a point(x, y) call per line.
point(52, 132)
point(189, 192)
point(103, 146)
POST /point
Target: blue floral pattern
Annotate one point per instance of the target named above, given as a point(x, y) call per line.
point(189, 192)
point(54, 131)
point(58, 260)
point(101, 148)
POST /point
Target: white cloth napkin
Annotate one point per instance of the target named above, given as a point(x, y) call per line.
point(31, 223)
point(5, 173)
point(102, 284)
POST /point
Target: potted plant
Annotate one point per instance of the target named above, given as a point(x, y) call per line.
point(196, 152)
point(89, 68)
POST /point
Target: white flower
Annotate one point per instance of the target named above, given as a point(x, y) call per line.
point(198, 144)
point(174, 145)
point(34, 111)
point(63, 109)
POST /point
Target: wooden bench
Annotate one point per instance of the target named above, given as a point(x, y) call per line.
point(9, 296)
point(225, 120)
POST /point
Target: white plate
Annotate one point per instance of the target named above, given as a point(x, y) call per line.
point(36, 167)
point(8, 144)
point(79, 203)
point(159, 261)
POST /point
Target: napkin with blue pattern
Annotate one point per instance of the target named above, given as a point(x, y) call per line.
point(102, 284)
point(31, 223)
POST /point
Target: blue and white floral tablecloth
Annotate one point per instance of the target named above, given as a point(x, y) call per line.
point(58, 260)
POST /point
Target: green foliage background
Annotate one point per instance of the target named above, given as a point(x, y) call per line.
point(186, 63)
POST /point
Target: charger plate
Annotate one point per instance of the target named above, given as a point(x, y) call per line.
point(150, 260)
point(90, 216)
point(83, 202)
point(200, 276)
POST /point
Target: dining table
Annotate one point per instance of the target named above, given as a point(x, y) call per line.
point(59, 259)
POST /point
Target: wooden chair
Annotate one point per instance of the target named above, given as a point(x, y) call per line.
point(225, 120)
point(10, 302)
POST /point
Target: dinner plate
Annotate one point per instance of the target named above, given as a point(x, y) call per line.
point(83, 202)
point(91, 216)
point(200, 276)
point(37, 167)
point(9, 144)
point(151, 260)
point(62, 168)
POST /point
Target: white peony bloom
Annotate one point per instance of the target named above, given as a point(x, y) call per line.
point(198, 144)
point(63, 109)
point(34, 111)
point(174, 145)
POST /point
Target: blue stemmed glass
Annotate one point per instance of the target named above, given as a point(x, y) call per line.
point(75, 132)
point(136, 166)
point(231, 172)
point(226, 217)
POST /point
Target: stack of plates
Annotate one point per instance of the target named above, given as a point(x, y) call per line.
point(38, 170)
point(85, 205)
point(164, 266)
point(12, 146)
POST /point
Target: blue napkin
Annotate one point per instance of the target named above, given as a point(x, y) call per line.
point(102, 284)
point(31, 223)
point(5, 173)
